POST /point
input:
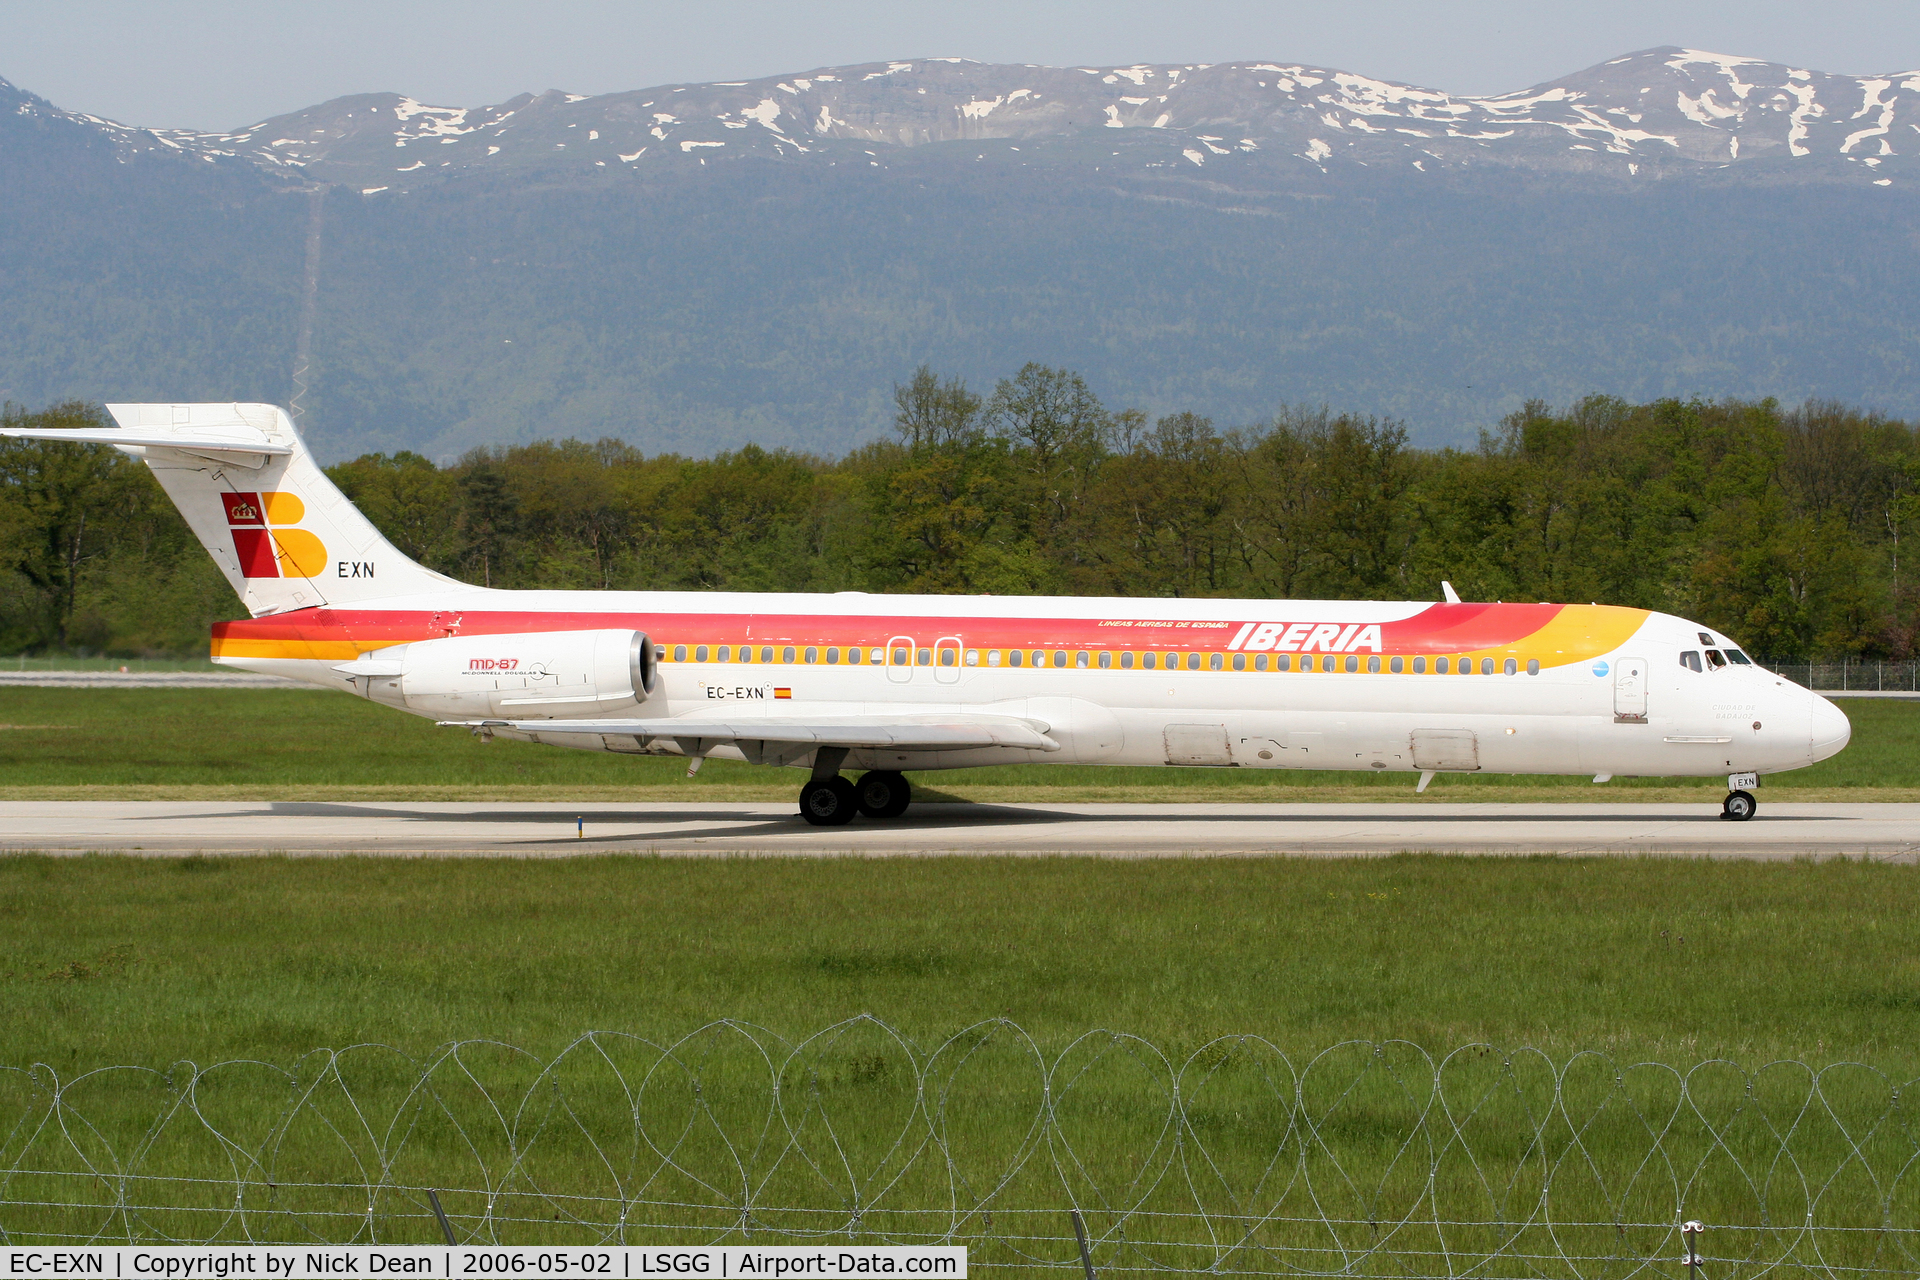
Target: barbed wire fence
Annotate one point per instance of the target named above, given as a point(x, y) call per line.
point(1232, 1158)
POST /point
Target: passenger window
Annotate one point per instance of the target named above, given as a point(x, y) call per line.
point(1419, 666)
point(853, 656)
point(1690, 659)
point(766, 653)
point(1512, 666)
point(786, 654)
point(1147, 660)
point(1397, 665)
point(1440, 666)
point(1239, 662)
point(1039, 658)
point(1373, 664)
point(993, 657)
point(1215, 662)
point(833, 657)
point(1740, 657)
point(813, 654)
point(1283, 663)
point(1059, 657)
point(699, 653)
point(725, 654)
point(926, 658)
point(679, 653)
point(1193, 662)
point(1079, 660)
point(1260, 662)
point(1715, 660)
point(1353, 663)
point(1533, 666)
point(1126, 662)
point(1486, 666)
point(949, 657)
point(973, 657)
point(1106, 659)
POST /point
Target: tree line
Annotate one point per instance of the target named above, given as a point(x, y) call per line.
point(1784, 527)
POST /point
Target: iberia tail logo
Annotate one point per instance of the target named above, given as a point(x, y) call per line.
point(264, 540)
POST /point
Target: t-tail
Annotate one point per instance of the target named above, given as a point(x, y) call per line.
point(278, 528)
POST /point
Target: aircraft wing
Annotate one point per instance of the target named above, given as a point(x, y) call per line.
point(696, 734)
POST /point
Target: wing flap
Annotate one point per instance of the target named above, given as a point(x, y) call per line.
point(930, 733)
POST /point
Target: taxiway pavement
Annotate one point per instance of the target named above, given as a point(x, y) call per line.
point(1113, 830)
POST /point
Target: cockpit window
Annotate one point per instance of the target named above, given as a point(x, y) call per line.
point(1690, 659)
point(1739, 657)
point(1715, 660)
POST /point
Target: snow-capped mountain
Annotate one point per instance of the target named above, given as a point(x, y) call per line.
point(696, 266)
point(1656, 114)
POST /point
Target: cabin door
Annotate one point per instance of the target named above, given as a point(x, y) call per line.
point(1630, 691)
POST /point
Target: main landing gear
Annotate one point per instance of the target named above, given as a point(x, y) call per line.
point(832, 802)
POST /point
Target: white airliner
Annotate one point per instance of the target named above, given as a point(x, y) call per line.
point(889, 683)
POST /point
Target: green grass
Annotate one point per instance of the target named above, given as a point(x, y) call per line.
point(273, 744)
point(112, 960)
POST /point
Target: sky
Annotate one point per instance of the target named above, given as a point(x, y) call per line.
point(215, 64)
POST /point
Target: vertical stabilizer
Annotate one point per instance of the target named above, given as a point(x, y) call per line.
point(278, 528)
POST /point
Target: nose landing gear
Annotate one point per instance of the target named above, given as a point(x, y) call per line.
point(1740, 804)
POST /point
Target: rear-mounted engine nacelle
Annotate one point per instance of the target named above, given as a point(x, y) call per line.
point(529, 676)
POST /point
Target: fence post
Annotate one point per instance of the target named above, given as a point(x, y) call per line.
point(1080, 1234)
point(446, 1228)
point(1690, 1234)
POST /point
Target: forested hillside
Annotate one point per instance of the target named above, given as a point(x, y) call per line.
point(1784, 527)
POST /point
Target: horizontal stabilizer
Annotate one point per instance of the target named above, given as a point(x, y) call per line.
point(942, 733)
point(239, 444)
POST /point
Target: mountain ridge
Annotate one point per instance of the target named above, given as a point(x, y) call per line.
point(1652, 115)
point(741, 289)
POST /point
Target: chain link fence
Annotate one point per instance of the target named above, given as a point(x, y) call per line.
point(1229, 1158)
point(1851, 675)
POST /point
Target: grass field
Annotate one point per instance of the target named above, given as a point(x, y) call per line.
point(270, 744)
point(108, 959)
point(150, 961)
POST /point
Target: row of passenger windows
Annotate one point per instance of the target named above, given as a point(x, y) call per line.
point(1083, 658)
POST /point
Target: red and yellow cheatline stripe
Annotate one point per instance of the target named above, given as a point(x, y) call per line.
point(1552, 634)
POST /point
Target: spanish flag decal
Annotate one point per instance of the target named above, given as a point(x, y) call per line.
point(780, 691)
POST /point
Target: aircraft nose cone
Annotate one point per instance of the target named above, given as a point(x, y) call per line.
point(1831, 728)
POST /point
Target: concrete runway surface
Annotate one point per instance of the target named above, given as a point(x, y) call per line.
point(1113, 830)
